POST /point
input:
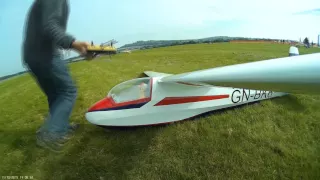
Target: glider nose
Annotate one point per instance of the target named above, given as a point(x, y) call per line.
point(102, 104)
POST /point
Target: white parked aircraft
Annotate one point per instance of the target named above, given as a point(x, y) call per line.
point(165, 98)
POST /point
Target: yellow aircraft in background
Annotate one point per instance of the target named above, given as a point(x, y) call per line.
point(103, 49)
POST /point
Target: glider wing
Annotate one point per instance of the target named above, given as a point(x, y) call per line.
point(293, 74)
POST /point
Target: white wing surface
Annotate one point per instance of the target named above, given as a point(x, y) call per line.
point(294, 74)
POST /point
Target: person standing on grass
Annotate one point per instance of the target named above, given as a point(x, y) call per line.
point(45, 39)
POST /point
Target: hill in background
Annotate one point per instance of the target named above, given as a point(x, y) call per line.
point(217, 39)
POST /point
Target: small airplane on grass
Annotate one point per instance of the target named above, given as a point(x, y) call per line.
point(162, 98)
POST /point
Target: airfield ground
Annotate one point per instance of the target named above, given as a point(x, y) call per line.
point(275, 139)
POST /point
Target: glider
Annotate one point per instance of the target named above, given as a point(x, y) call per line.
point(162, 98)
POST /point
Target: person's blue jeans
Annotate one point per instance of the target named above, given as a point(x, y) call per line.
point(55, 81)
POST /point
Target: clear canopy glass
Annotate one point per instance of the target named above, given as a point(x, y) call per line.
point(131, 90)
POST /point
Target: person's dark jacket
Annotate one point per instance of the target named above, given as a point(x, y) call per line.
point(45, 30)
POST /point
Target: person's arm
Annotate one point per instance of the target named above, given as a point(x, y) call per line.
point(52, 12)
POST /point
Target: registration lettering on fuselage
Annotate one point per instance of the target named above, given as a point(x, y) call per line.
point(243, 95)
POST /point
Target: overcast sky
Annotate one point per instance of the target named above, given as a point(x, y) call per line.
point(101, 20)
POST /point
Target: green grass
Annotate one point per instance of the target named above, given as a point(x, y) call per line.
point(274, 139)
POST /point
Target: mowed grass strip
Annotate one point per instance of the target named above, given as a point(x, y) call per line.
point(273, 139)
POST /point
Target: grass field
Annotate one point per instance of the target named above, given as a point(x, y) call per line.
point(274, 139)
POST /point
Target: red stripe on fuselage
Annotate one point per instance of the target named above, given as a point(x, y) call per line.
point(190, 99)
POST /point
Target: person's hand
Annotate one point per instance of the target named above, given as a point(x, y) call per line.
point(90, 56)
point(80, 46)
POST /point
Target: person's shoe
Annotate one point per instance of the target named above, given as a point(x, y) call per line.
point(73, 127)
point(71, 130)
point(49, 141)
point(64, 139)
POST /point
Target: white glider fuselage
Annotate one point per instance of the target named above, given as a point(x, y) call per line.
point(163, 98)
point(171, 102)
